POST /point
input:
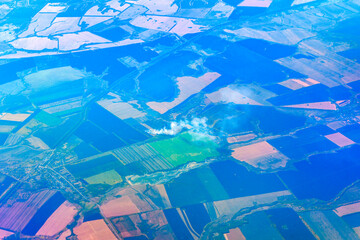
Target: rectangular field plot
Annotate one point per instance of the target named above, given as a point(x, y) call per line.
point(105, 131)
point(110, 177)
point(5, 183)
point(239, 182)
point(43, 213)
point(199, 185)
point(288, 223)
point(144, 154)
point(97, 137)
point(95, 230)
point(327, 225)
point(29, 214)
point(94, 166)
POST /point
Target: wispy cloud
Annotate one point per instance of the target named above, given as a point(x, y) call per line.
point(196, 125)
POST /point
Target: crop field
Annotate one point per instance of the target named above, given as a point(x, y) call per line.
point(261, 155)
point(63, 107)
point(231, 206)
point(96, 230)
point(339, 139)
point(132, 225)
point(84, 150)
point(353, 220)
point(348, 209)
point(52, 135)
point(5, 183)
point(94, 166)
point(259, 226)
point(4, 233)
point(127, 202)
point(60, 218)
point(43, 213)
point(105, 131)
point(239, 182)
point(199, 185)
point(47, 119)
point(110, 177)
point(97, 137)
point(329, 181)
point(148, 157)
point(119, 108)
point(180, 119)
point(288, 223)
point(327, 225)
point(185, 148)
point(18, 215)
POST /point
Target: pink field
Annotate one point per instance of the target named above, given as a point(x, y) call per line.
point(16, 214)
point(336, 124)
point(255, 3)
point(253, 151)
point(339, 139)
point(17, 117)
point(348, 209)
point(295, 84)
point(4, 234)
point(316, 105)
point(128, 202)
point(63, 216)
point(119, 207)
point(94, 230)
point(234, 234)
point(260, 155)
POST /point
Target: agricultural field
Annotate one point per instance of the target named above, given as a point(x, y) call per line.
point(93, 167)
point(5, 183)
point(110, 177)
point(183, 149)
point(33, 212)
point(96, 229)
point(179, 119)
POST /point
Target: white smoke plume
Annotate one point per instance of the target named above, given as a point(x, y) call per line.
point(196, 125)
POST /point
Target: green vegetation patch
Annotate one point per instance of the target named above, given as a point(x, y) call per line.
point(185, 148)
point(47, 119)
point(109, 177)
point(95, 166)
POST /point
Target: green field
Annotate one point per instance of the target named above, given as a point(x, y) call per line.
point(109, 177)
point(47, 119)
point(95, 166)
point(186, 148)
